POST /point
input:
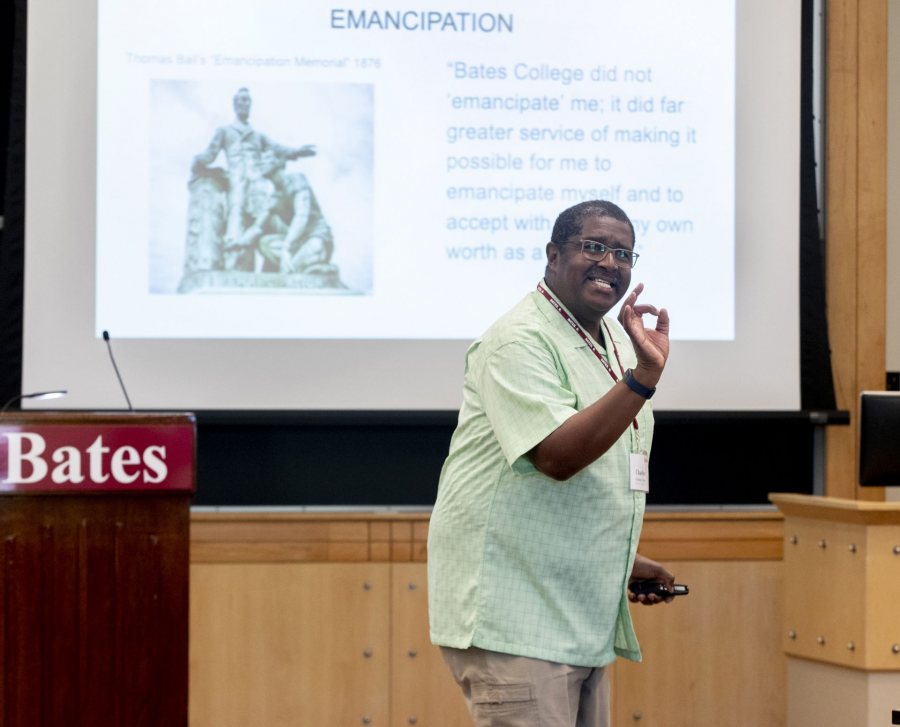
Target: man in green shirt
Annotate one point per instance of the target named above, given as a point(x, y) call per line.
point(533, 539)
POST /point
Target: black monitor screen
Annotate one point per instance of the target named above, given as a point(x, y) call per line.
point(879, 438)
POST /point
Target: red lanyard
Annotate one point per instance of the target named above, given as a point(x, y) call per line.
point(587, 339)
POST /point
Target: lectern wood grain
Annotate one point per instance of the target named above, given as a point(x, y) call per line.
point(93, 597)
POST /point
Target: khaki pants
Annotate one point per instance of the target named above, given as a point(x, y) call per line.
point(503, 690)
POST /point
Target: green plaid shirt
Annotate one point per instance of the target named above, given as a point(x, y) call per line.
point(517, 562)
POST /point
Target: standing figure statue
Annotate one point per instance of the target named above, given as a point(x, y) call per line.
point(243, 147)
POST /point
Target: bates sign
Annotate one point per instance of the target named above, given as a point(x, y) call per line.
point(38, 457)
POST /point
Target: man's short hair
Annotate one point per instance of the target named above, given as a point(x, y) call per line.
point(570, 221)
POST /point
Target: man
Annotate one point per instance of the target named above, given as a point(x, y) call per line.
point(532, 542)
point(243, 148)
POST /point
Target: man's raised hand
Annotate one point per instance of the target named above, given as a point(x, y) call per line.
point(650, 344)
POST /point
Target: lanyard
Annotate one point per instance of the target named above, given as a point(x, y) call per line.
point(587, 339)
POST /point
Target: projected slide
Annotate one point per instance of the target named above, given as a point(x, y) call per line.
point(305, 170)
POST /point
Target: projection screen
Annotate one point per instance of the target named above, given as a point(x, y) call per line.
point(286, 205)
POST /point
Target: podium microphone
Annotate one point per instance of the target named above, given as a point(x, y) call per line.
point(56, 393)
point(116, 369)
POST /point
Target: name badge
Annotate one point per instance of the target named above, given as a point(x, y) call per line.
point(639, 466)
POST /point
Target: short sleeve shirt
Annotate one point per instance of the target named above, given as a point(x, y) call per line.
point(518, 562)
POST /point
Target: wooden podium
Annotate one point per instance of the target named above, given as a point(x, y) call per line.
point(842, 610)
point(94, 531)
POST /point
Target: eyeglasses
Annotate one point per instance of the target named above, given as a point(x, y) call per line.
point(597, 252)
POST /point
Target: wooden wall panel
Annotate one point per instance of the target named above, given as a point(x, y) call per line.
point(289, 644)
point(277, 638)
point(856, 220)
point(278, 537)
point(423, 691)
point(710, 658)
point(841, 235)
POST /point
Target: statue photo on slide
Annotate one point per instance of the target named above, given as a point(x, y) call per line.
point(254, 224)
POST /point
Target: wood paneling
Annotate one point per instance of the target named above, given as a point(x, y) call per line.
point(269, 537)
point(715, 535)
point(289, 644)
point(842, 564)
point(278, 637)
point(856, 220)
point(93, 602)
point(872, 192)
point(841, 633)
point(423, 691)
point(710, 658)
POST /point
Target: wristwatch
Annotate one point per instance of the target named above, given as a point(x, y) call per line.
point(636, 386)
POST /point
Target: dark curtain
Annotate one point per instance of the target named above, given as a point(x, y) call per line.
point(816, 381)
point(12, 194)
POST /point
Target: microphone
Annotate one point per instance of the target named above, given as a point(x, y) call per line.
point(34, 395)
point(116, 369)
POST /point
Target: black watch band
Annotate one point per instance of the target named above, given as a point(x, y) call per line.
point(636, 386)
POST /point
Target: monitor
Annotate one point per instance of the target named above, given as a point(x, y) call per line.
point(879, 438)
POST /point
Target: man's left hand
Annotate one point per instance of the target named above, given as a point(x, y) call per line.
point(651, 345)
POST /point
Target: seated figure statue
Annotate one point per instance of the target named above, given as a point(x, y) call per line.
point(288, 226)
